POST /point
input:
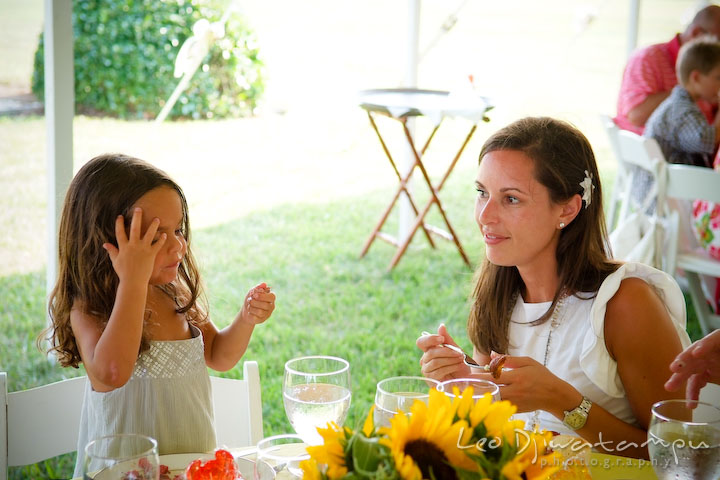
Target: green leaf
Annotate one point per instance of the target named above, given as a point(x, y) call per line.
point(367, 454)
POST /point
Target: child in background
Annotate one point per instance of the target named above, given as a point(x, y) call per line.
point(678, 124)
point(128, 305)
point(685, 137)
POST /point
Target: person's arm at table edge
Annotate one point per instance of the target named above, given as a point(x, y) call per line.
point(639, 114)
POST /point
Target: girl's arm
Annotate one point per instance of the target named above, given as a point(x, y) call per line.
point(109, 354)
point(224, 348)
point(640, 336)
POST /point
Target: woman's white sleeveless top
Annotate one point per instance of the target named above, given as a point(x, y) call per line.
point(168, 397)
point(577, 352)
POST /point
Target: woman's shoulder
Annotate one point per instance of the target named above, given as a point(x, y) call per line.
point(634, 290)
point(636, 277)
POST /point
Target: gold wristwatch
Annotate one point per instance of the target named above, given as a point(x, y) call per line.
point(577, 417)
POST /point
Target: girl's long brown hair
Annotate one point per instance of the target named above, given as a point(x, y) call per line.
point(106, 186)
point(561, 155)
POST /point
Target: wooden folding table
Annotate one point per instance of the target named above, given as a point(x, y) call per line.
point(401, 104)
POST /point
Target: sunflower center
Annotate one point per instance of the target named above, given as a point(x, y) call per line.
point(429, 457)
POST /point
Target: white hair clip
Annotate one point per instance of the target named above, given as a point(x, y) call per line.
point(588, 188)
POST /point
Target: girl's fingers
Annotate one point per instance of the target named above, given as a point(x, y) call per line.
point(111, 249)
point(152, 230)
point(120, 230)
point(159, 242)
point(136, 223)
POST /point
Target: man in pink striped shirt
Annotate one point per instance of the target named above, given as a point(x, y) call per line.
point(650, 73)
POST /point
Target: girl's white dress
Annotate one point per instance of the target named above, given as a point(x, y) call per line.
point(577, 352)
point(168, 397)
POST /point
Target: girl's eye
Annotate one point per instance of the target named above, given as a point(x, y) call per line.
point(481, 193)
point(179, 232)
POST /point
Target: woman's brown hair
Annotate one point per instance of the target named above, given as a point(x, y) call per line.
point(563, 158)
point(106, 186)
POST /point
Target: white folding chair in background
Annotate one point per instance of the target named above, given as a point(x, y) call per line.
point(686, 183)
point(44, 422)
point(612, 131)
point(639, 230)
point(39, 423)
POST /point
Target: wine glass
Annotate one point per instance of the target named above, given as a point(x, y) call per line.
point(116, 457)
point(278, 452)
point(684, 440)
point(456, 386)
point(316, 391)
point(397, 394)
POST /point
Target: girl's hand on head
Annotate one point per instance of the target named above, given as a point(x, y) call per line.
point(259, 305)
point(134, 257)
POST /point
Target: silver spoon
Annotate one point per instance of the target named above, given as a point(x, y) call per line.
point(467, 359)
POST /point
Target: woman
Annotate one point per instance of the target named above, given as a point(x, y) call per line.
point(588, 339)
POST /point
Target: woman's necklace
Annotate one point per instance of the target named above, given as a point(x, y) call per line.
point(554, 322)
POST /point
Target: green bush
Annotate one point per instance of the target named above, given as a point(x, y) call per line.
point(125, 54)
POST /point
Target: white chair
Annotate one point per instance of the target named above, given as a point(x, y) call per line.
point(43, 422)
point(686, 183)
point(612, 131)
point(238, 408)
point(39, 423)
point(638, 231)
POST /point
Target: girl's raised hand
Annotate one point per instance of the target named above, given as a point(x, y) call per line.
point(134, 257)
point(259, 304)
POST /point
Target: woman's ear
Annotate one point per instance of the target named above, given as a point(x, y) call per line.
point(570, 209)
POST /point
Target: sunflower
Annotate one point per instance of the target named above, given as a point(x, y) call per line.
point(331, 452)
point(428, 440)
point(532, 462)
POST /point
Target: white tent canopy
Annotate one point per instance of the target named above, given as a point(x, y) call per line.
point(59, 105)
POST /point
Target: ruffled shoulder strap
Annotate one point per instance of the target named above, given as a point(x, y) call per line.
point(595, 360)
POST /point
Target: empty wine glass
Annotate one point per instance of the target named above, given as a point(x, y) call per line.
point(122, 456)
point(316, 391)
point(456, 386)
point(684, 440)
point(277, 453)
point(397, 394)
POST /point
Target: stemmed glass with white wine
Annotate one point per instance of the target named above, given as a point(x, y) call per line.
point(397, 394)
point(316, 391)
point(684, 440)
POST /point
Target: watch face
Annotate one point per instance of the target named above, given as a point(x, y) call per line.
point(575, 420)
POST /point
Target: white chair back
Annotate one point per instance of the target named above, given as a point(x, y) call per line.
point(44, 422)
point(39, 423)
point(611, 211)
point(684, 184)
point(238, 408)
point(640, 222)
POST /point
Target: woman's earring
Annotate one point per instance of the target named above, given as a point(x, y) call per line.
point(562, 224)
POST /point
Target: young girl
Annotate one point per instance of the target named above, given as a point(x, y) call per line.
point(589, 339)
point(128, 305)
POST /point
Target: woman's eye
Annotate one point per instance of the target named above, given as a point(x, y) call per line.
point(513, 200)
point(481, 193)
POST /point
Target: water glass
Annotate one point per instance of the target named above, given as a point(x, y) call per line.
point(316, 391)
point(280, 452)
point(684, 440)
point(456, 386)
point(121, 456)
point(397, 394)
